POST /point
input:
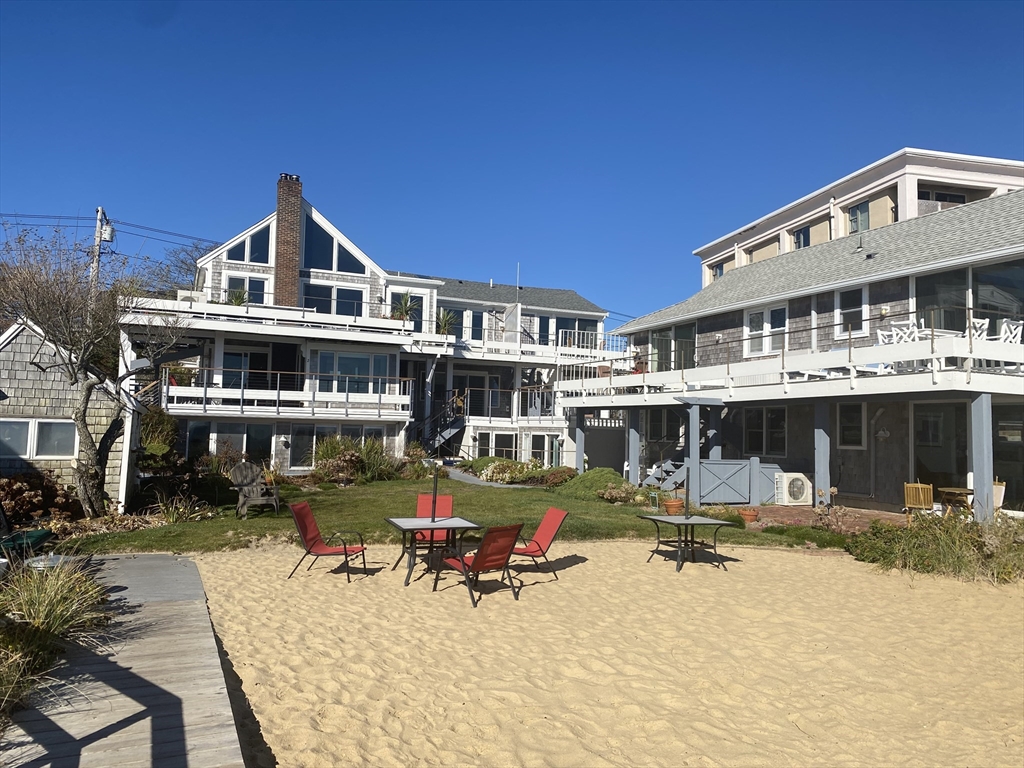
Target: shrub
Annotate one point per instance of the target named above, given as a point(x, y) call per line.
point(804, 533)
point(39, 609)
point(590, 484)
point(549, 478)
point(181, 507)
point(336, 459)
point(621, 492)
point(32, 495)
point(506, 471)
point(949, 545)
point(377, 464)
point(417, 470)
point(476, 466)
point(61, 602)
point(724, 512)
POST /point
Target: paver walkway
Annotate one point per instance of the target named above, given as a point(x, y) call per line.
point(155, 697)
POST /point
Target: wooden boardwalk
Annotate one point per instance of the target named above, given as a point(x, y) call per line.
point(155, 696)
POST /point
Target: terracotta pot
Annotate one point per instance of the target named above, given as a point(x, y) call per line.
point(749, 515)
point(673, 506)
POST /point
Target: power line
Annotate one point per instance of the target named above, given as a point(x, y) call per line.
point(59, 218)
point(165, 232)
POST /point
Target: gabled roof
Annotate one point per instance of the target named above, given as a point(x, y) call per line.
point(988, 227)
point(561, 299)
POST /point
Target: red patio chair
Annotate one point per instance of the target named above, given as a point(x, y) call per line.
point(540, 543)
point(493, 554)
point(314, 543)
point(424, 503)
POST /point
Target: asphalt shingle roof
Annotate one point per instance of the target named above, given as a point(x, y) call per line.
point(905, 247)
point(549, 298)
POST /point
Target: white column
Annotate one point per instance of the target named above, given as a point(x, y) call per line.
point(218, 358)
point(906, 197)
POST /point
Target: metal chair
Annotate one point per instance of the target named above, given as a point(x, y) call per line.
point(313, 543)
point(493, 554)
point(540, 543)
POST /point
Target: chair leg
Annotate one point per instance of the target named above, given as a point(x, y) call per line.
point(472, 597)
point(297, 566)
point(553, 571)
point(437, 575)
point(315, 558)
point(348, 570)
point(511, 582)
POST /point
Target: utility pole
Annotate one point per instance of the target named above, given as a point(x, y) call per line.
point(94, 272)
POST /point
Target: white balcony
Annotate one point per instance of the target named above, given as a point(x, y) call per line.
point(927, 360)
point(272, 394)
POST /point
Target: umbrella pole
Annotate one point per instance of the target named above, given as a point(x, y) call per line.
point(433, 501)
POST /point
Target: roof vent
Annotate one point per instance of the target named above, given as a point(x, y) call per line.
point(869, 255)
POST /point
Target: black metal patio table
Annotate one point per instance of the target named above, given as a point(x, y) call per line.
point(410, 525)
point(685, 538)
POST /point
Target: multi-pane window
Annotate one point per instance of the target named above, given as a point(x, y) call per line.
point(685, 345)
point(38, 438)
point(254, 440)
point(324, 298)
point(852, 429)
point(478, 326)
point(764, 431)
point(246, 290)
point(502, 444)
point(802, 237)
point(859, 218)
point(348, 372)
point(457, 329)
point(852, 312)
point(717, 270)
point(255, 249)
point(321, 251)
point(766, 330)
point(661, 350)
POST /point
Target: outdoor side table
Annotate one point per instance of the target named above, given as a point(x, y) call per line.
point(409, 525)
point(685, 539)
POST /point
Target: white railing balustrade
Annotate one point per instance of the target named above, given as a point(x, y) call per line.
point(227, 391)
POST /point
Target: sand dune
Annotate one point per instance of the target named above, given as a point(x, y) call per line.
point(786, 659)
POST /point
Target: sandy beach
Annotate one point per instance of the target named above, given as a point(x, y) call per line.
point(799, 657)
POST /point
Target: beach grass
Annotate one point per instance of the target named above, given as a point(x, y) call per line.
point(364, 508)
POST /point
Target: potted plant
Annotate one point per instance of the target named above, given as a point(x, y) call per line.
point(673, 506)
point(749, 514)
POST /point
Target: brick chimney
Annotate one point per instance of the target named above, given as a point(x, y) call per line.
point(289, 238)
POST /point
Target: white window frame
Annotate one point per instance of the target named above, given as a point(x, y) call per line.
point(863, 428)
point(247, 239)
point(764, 420)
point(268, 284)
point(865, 313)
point(32, 444)
point(334, 285)
point(766, 333)
point(395, 291)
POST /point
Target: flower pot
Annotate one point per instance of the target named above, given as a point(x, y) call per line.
point(749, 515)
point(673, 506)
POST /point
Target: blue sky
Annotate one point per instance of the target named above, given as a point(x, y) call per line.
point(596, 144)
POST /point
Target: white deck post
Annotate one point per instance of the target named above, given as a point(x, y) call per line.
point(633, 445)
point(981, 456)
point(822, 449)
point(693, 453)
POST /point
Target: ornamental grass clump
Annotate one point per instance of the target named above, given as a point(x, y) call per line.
point(950, 545)
point(39, 611)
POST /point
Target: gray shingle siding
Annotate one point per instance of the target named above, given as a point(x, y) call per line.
point(907, 246)
point(41, 392)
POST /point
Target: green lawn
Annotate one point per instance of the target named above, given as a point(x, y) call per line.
point(363, 508)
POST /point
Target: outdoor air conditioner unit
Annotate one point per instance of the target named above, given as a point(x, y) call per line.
point(793, 489)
